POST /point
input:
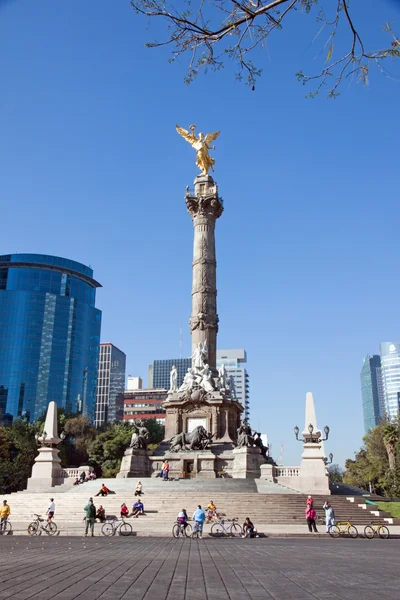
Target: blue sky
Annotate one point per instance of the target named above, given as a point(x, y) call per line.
point(92, 169)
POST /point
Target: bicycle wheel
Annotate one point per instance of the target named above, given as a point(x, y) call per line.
point(125, 529)
point(383, 532)
point(6, 530)
point(334, 531)
point(108, 529)
point(352, 531)
point(369, 532)
point(34, 529)
point(235, 529)
point(51, 528)
point(217, 530)
point(188, 531)
point(176, 530)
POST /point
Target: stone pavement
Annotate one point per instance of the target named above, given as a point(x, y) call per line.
point(168, 569)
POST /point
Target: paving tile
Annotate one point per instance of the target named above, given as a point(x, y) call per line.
point(168, 569)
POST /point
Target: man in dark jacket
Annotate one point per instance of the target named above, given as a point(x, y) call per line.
point(90, 513)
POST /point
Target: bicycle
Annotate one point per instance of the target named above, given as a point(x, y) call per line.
point(36, 527)
point(376, 528)
point(179, 530)
point(196, 532)
point(219, 529)
point(6, 528)
point(343, 528)
point(112, 527)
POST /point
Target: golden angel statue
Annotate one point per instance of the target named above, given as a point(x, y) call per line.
point(202, 146)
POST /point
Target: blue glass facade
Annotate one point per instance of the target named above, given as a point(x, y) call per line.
point(49, 335)
point(371, 391)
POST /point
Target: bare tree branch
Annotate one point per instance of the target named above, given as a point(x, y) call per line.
point(212, 31)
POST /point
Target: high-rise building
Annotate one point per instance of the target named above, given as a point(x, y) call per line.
point(390, 369)
point(233, 361)
point(144, 404)
point(134, 383)
point(110, 385)
point(161, 369)
point(371, 391)
point(49, 335)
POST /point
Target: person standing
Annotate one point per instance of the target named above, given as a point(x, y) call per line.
point(311, 515)
point(166, 470)
point(51, 510)
point(90, 514)
point(199, 517)
point(329, 515)
point(4, 514)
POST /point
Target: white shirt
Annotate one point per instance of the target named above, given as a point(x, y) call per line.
point(52, 507)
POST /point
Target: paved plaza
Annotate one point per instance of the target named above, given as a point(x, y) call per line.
point(169, 569)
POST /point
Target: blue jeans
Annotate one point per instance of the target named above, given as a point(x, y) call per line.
point(329, 521)
point(199, 526)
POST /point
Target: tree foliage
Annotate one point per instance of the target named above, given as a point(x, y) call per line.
point(212, 32)
point(84, 444)
point(375, 466)
point(335, 473)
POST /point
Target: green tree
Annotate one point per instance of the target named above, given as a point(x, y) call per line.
point(391, 437)
point(18, 449)
point(335, 473)
point(210, 33)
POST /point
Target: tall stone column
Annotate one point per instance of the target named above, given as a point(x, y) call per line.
point(205, 207)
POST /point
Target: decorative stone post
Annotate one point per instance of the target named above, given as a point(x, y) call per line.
point(314, 478)
point(205, 207)
point(46, 471)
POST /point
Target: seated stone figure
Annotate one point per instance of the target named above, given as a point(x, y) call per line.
point(140, 438)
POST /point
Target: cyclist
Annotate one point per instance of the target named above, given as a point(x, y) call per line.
point(183, 518)
point(51, 510)
point(329, 515)
point(199, 517)
point(4, 514)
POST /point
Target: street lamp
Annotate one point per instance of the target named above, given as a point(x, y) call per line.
point(312, 439)
point(330, 459)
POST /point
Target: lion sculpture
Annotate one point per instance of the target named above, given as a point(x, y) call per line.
point(198, 439)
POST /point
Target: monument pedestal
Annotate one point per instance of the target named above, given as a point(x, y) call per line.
point(247, 463)
point(46, 471)
point(188, 464)
point(135, 463)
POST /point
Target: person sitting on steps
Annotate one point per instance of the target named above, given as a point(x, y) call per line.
point(101, 514)
point(139, 489)
point(104, 491)
point(124, 511)
point(137, 509)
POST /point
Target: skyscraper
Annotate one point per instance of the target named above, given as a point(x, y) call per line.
point(161, 369)
point(371, 391)
point(233, 361)
point(49, 335)
point(110, 385)
point(390, 369)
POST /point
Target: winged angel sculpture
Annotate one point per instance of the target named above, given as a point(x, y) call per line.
point(202, 146)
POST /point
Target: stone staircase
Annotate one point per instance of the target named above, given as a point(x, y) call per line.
point(163, 500)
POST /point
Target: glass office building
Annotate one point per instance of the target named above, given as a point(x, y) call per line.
point(371, 391)
point(390, 369)
point(110, 385)
point(239, 377)
point(160, 370)
point(49, 335)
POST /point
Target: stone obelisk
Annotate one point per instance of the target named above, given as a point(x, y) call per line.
point(205, 207)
